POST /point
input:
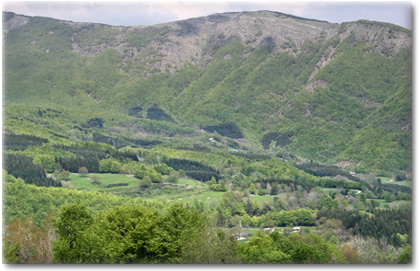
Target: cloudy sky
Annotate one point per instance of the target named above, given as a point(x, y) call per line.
point(128, 13)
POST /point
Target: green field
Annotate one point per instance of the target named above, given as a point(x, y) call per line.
point(193, 183)
point(185, 190)
point(404, 183)
point(328, 190)
point(79, 182)
point(204, 195)
point(385, 180)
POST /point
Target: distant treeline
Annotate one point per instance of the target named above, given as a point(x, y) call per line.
point(251, 156)
point(123, 141)
point(155, 113)
point(331, 183)
point(21, 166)
point(94, 122)
point(90, 157)
point(281, 139)
point(86, 157)
point(331, 171)
point(135, 111)
point(18, 142)
point(395, 188)
point(228, 129)
point(328, 183)
point(300, 217)
point(193, 169)
point(291, 183)
point(381, 223)
point(202, 175)
point(326, 170)
point(195, 147)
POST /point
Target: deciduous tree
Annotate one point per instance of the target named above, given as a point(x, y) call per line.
point(83, 171)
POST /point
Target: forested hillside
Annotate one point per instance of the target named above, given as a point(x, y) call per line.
point(322, 91)
point(249, 137)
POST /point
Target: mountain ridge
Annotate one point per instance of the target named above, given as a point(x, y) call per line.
point(315, 84)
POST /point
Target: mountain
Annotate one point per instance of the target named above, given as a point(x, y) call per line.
point(331, 93)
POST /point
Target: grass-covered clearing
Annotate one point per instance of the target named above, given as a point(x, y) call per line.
point(183, 191)
point(105, 179)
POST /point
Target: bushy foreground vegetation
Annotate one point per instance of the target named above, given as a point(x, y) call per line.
point(76, 226)
point(89, 227)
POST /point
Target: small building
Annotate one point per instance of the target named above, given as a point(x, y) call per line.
point(296, 229)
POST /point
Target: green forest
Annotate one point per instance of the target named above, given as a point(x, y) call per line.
point(268, 150)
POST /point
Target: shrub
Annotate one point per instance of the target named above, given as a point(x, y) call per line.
point(262, 192)
point(109, 166)
point(83, 171)
point(95, 179)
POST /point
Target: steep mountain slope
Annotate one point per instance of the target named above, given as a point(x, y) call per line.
point(337, 93)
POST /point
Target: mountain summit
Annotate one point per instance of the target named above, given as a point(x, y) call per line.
point(335, 93)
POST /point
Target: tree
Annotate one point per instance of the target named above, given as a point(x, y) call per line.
point(406, 256)
point(212, 181)
point(262, 192)
point(56, 173)
point(389, 197)
point(350, 253)
point(363, 198)
point(212, 247)
point(219, 187)
point(10, 252)
point(181, 227)
point(96, 179)
point(145, 182)
point(328, 202)
point(261, 250)
point(374, 204)
point(94, 122)
point(400, 177)
point(155, 177)
point(334, 240)
point(252, 188)
point(173, 177)
point(83, 171)
point(181, 173)
point(129, 235)
point(275, 190)
point(246, 220)
point(109, 165)
point(64, 175)
point(73, 221)
point(163, 169)
point(45, 161)
point(141, 171)
point(223, 186)
point(20, 241)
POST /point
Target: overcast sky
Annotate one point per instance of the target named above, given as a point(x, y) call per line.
point(129, 13)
